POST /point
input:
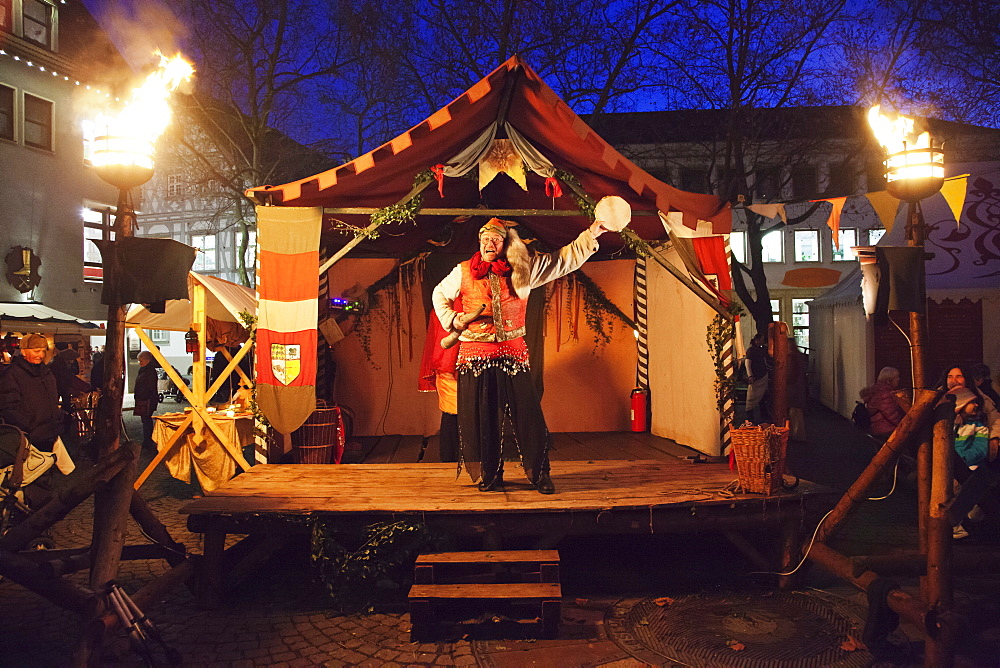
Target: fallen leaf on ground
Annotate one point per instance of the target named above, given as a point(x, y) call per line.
point(582, 601)
point(663, 600)
point(735, 645)
point(852, 644)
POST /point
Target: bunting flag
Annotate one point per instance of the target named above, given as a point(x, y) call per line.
point(288, 282)
point(885, 206)
point(954, 190)
point(770, 211)
point(834, 221)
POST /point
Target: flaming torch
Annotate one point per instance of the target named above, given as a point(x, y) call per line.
point(121, 151)
point(914, 170)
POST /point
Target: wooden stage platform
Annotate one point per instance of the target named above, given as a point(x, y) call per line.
point(619, 493)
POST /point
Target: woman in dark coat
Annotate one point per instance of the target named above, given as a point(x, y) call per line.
point(147, 395)
point(29, 397)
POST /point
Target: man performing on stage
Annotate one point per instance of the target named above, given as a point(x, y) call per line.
point(496, 397)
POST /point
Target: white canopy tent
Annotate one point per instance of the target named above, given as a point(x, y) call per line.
point(36, 318)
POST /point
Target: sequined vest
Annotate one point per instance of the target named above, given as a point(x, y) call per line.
point(503, 318)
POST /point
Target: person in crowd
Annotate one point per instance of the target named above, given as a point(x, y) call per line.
point(798, 390)
point(29, 395)
point(496, 395)
point(65, 366)
point(758, 366)
point(977, 442)
point(984, 382)
point(146, 395)
point(885, 402)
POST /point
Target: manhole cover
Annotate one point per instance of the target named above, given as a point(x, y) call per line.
point(726, 628)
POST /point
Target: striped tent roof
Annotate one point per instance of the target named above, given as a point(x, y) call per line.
point(385, 175)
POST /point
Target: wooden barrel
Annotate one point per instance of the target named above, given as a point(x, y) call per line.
point(320, 439)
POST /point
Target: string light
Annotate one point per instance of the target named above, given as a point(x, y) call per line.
point(42, 68)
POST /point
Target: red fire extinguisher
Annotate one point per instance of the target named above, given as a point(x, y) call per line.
point(639, 396)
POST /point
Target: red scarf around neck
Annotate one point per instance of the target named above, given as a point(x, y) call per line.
point(480, 267)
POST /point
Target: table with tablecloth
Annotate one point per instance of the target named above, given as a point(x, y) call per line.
point(212, 463)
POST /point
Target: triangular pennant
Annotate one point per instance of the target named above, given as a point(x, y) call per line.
point(885, 206)
point(834, 221)
point(954, 190)
point(770, 211)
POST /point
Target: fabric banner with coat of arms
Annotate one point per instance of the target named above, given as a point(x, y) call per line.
point(287, 284)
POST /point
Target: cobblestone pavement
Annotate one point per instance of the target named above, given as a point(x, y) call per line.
point(280, 616)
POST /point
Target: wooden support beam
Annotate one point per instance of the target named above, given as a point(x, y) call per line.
point(486, 213)
point(911, 609)
point(66, 499)
point(747, 549)
point(778, 334)
point(72, 564)
point(416, 190)
point(154, 529)
point(880, 463)
point(111, 504)
point(60, 592)
point(940, 649)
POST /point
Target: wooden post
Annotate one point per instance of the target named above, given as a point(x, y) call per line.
point(939, 648)
point(63, 593)
point(881, 462)
point(778, 335)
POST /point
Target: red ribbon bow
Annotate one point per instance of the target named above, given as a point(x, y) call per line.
point(438, 172)
point(552, 187)
point(480, 267)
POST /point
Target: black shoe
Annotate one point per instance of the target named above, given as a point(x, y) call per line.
point(544, 484)
point(489, 485)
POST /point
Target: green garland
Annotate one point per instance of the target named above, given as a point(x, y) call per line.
point(720, 333)
point(352, 563)
point(599, 311)
point(249, 322)
point(585, 203)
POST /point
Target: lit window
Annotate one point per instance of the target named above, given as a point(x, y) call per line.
point(807, 245)
point(738, 244)
point(847, 238)
point(206, 259)
point(800, 322)
point(776, 309)
point(875, 235)
point(159, 336)
point(250, 257)
point(37, 21)
point(96, 227)
point(37, 122)
point(773, 246)
point(6, 113)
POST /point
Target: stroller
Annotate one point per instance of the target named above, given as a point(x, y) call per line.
point(27, 478)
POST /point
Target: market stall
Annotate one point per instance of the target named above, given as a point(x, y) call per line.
point(202, 438)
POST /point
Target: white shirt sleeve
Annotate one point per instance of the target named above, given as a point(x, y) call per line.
point(546, 267)
point(444, 296)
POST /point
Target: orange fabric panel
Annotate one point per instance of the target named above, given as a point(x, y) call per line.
point(283, 277)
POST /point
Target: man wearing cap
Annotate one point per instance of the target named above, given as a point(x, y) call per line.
point(29, 398)
point(496, 397)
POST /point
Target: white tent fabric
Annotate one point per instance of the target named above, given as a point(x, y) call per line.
point(35, 318)
point(681, 370)
point(962, 267)
point(223, 301)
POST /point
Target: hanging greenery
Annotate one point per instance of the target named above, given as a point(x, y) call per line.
point(599, 311)
point(353, 564)
point(260, 422)
point(583, 201)
point(635, 243)
point(720, 332)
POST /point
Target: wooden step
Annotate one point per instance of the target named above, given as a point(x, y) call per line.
point(488, 592)
point(491, 557)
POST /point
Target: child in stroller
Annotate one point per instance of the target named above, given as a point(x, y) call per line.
point(28, 479)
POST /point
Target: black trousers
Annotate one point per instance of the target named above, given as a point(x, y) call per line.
point(498, 409)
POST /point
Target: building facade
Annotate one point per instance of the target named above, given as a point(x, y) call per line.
point(56, 67)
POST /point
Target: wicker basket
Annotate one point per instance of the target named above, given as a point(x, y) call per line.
point(760, 457)
point(320, 439)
